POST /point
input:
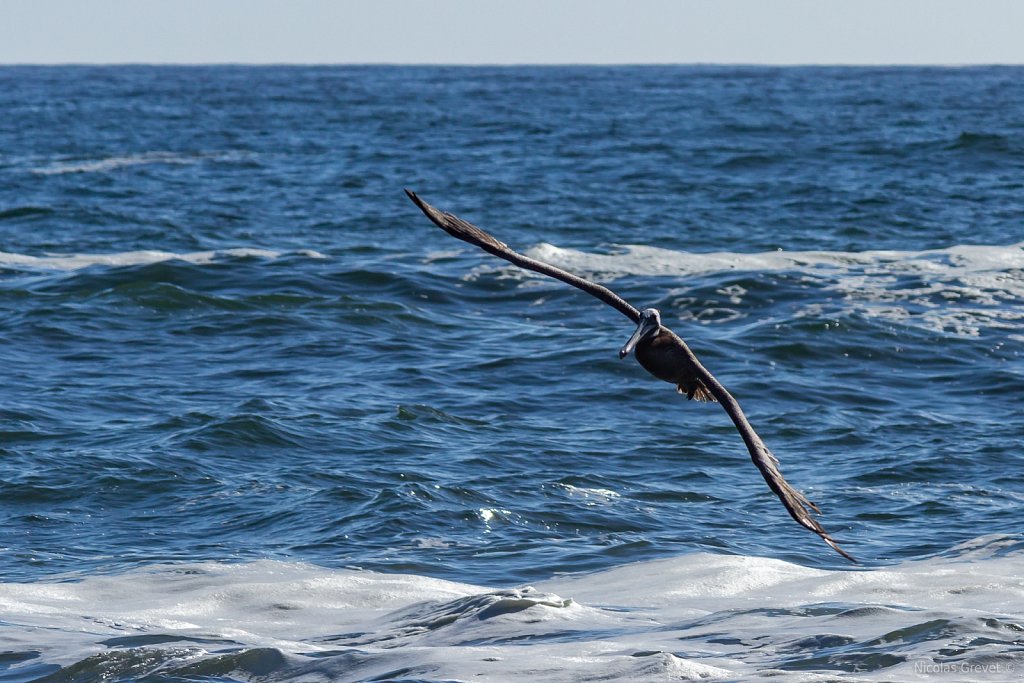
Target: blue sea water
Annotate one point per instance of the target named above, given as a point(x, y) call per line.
point(231, 344)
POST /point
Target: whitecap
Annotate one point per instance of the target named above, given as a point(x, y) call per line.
point(696, 616)
point(115, 162)
point(593, 495)
point(654, 261)
point(962, 290)
point(136, 258)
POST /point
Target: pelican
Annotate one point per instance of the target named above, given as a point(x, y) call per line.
point(662, 353)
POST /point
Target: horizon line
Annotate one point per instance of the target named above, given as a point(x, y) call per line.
point(941, 65)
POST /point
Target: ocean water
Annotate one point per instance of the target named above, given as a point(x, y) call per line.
point(260, 420)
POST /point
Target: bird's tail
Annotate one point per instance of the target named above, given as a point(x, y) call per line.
point(699, 392)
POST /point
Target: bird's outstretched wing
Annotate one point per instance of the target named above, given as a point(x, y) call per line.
point(796, 503)
point(467, 232)
point(798, 506)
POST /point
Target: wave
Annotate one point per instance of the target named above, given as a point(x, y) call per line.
point(983, 142)
point(126, 160)
point(137, 258)
point(697, 616)
point(655, 261)
point(962, 290)
point(111, 163)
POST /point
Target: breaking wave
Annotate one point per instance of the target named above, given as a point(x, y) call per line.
point(135, 258)
point(963, 290)
point(698, 616)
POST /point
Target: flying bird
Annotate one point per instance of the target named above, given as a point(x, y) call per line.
point(661, 352)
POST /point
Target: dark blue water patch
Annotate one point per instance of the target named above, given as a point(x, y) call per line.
point(155, 664)
point(13, 670)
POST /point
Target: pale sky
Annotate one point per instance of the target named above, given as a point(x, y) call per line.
point(513, 31)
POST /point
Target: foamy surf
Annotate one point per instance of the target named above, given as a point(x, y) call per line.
point(654, 261)
point(137, 258)
point(699, 616)
point(963, 290)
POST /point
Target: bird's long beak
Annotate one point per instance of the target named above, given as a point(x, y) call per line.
point(646, 326)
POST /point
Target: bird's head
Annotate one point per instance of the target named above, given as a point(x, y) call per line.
point(649, 325)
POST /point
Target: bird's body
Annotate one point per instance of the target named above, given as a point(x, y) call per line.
point(668, 358)
point(661, 352)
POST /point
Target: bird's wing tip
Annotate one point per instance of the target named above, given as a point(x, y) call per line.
point(458, 228)
point(835, 546)
point(812, 524)
point(439, 218)
point(413, 196)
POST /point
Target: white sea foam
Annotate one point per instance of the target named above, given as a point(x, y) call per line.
point(135, 258)
point(111, 163)
point(126, 160)
point(594, 496)
point(699, 616)
point(962, 290)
